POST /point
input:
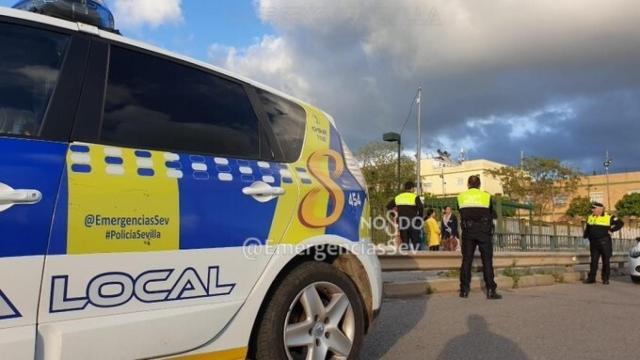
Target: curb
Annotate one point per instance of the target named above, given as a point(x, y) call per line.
point(405, 289)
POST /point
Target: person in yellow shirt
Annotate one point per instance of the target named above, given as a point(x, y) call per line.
point(432, 228)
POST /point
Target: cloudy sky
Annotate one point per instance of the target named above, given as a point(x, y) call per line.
point(550, 78)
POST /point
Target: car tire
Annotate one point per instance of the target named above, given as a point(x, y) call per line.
point(294, 316)
point(635, 279)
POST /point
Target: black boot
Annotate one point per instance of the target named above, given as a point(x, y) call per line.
point(606, 281)
point(493, 295)
point(589, 281)
point(464, 294)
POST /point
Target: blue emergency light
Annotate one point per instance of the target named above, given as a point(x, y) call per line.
point(92, 12)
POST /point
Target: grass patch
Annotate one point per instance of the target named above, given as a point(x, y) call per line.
point(558, 276)
point(452, 274)
point(513, 273)
point(517, 273)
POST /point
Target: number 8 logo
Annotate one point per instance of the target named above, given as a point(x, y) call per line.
point(315, 165)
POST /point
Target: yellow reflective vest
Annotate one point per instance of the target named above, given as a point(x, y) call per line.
point(474, 198)
point(604, 220)
point(406, 199)
point(600, 227)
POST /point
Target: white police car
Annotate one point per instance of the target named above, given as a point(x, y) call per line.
point(634, 263)
point(153, 206)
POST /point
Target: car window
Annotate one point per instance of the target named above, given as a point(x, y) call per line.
point(160, 104)
point(30, 62)
point(288, 121)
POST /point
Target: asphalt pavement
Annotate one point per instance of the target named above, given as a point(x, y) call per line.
point(572, 321)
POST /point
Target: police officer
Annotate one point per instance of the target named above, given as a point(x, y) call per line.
point(477, 216)
point(409, 210)
point(600, 226)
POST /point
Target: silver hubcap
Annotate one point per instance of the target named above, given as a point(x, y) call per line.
point(320, 324)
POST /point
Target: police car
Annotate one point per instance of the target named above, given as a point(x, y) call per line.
point(634, 263)
point(153, 206)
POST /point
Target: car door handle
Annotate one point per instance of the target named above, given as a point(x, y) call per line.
point(10, 197)
point(262, 191)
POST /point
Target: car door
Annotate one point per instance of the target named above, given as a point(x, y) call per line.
point(40, 72)
point(167, 195)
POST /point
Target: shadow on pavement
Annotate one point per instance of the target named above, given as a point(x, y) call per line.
point(391, 326)
point(481, 343)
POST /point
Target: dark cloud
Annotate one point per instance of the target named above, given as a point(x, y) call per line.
point(608, 122)
point(555, 79)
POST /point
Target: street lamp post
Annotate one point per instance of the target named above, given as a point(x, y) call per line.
point(419, 149)
point(606, 164)
point(395, 137)
point(444, 183)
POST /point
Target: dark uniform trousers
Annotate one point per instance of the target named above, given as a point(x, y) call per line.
point(601, 248)
point(410, 236)
point(471, 239)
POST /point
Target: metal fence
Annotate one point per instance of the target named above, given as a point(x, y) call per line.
point(519, 235)
point(549, 242)
point(631, 230)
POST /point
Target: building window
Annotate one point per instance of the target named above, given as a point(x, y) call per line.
point(427, 185)
point(560, 200)
point(597, 196)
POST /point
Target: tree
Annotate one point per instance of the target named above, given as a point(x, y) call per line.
point(579, 206)
point(538, 181)
point(515, 182)
point(629, 205)
point(379, 161)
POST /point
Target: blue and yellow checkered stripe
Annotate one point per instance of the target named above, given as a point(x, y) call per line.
point(201, 197)
point(194, 192)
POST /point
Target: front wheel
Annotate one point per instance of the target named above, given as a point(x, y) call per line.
point(315, 313)
point(635, 279)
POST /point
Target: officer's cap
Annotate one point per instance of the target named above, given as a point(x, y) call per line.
point(596, 204)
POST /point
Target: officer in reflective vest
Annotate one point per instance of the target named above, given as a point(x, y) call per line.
point(409, 214)
point(477, 216)
point(600, 226)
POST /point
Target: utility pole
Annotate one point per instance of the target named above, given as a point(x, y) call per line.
point(419, 152)
point(397, 138)
point(398, 164)
point(606, 164)
point(444, 183)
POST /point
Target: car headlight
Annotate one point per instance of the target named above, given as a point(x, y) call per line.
point(634, 253)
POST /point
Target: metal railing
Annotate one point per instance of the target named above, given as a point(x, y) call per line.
point(533, 242)
point(558, 243)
